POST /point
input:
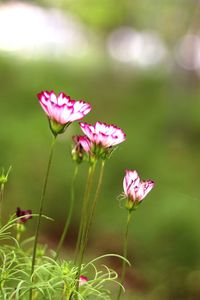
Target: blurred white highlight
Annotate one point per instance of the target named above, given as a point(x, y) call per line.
point(188, 52)
point(30, 30)
point(143, 49)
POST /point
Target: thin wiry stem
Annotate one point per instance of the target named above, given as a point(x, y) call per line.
point(83, 225)
point(1, 201)
point(124, 255)
point(4, 179)
point(68, 218)
point(89, 219)
point(94, 203)
point(84, 211)
point(86, 215)
point(41, 210)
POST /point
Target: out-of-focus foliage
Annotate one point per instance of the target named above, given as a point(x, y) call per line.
point(158, 108)
point(169, 17)
point(160, 115)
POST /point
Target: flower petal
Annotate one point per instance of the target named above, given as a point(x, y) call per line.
point(61, 108)
point(103, 134)
point(144, 188)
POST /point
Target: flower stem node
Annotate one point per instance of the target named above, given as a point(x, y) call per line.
point(131, 205)
point(20, 227)
point(65, 269)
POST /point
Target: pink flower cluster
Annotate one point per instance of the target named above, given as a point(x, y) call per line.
point(98, 141)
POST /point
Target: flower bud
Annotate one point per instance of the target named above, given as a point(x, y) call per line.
point(82, 148)
point(24, 215)
point(82, 280)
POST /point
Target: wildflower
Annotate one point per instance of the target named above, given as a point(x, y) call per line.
point(82, 280)
point(103, 137)
point(135, 189)
point(61, 110)
point(24, 214)
point(81, 149)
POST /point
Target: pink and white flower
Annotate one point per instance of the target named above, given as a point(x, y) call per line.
point(61, 110)
point(82, 141)
point(134, 188)
point(103, 134)
point(82, 280)
point(81, 149)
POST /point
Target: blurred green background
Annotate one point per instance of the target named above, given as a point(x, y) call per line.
point(138, 64)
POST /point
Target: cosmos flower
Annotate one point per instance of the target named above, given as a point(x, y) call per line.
point(24, 214)
point(61, 110)
point(135, 189)
point(81, 148)
point(103, 134)
point(83, 142)
point(82, 280)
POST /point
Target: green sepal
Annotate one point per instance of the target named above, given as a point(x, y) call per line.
point(132, 205)
point(57, 128)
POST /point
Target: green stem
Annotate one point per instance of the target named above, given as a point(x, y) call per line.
point(88, 222)
point(18, 234)
point(83, 212)
point(41, 210)
point(86, 214)
point(2, 190)
point(68, 219)
point(90, 218)
point(1, 201)
point(124, 254)
point(83, 225)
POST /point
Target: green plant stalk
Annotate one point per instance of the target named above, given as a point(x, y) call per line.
point(66, 293)
point(88, 222)
point(124, 254)
point(68, 218)
point(81, 222)
point(41, 210)
point(84, 211)
point(2, 190)
point(1, 201)
point(94, 203)
point(18, 235)
point(83, 225)
point(3, 180)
